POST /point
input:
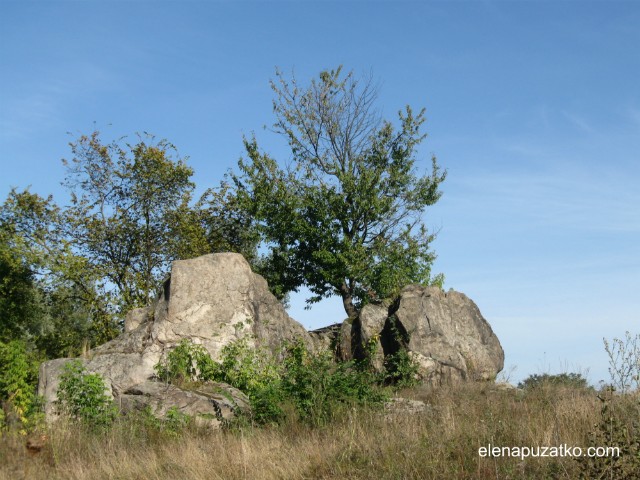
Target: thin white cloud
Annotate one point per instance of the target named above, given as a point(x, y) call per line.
point(579, 122)
point(43, 103)
point(568, 198)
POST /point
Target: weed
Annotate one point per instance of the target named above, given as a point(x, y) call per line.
point(82, 396)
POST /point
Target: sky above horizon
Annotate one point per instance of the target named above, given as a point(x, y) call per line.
point(532, 107)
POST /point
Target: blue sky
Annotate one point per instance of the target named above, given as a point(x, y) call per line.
point(533, 107)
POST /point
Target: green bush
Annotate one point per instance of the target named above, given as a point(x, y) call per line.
point(569, 380)
point(313, 384)
point(82, 396)
point(401, 370)
point(18, 379)
point(318, 387)
point(186, 362)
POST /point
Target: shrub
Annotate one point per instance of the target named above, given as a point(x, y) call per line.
point(243, 367)
point(18, 378)
point(82, 396)
point(254, 372)
point(186, 362)
point(313, 384)
point(318, 387)
point(401, 370)
point(569, 380)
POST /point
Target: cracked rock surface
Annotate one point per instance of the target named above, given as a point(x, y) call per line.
point(444, 333)
point(216, 299)
point(212, 300)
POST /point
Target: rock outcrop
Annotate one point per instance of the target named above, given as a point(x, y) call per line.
point(216, 299)
point(212, 300)
point(444, 333)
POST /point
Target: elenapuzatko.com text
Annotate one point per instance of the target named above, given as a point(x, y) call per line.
point(542, 452)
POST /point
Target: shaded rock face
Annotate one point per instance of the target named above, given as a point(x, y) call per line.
point(444, 333)
point(212, 300)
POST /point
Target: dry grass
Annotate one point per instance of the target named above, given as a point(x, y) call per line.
point(440, 443)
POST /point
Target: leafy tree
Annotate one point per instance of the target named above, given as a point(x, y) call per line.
point(215, 223)
point(132, 214)
point(50, 296)
point(119, 220)
point(20, 307)
point(68, 274)
point(344, 217)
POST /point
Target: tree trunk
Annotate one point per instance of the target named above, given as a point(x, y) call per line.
point(347, 300)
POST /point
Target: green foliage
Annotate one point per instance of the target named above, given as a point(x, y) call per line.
point(401, 370)
point(624, 362)
point(313, 384)
point(18, 379)
point(216, 223)
point(82, 396)
point(175, 420)
point(68, 275)
point(63, 305)
point(186, 362)
point(569, 380)
point(345, 217)
point(20, 306)
point(22, 303)
point(119, 218)
point(247, 368)
point(318, 387)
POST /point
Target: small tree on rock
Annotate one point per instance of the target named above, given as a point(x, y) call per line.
point(344, 217)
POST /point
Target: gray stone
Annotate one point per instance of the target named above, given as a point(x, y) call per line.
point(447, 333)
point(210, 404)
point(216, 299)
point(367, 329)
point(325, 338)
point(212, 300)
point(404, 406)
point(444, 334)
point(137, 317)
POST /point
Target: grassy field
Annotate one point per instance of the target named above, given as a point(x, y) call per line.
point(439, 443)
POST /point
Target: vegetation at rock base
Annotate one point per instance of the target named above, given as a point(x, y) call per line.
point(440, 443)
point(82, 396)
point(313, 385)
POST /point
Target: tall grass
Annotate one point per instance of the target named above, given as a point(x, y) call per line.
point(358, 443)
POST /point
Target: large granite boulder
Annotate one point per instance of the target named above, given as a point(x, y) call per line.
point(444, 333)
point(211, 300)
point(447, 334)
